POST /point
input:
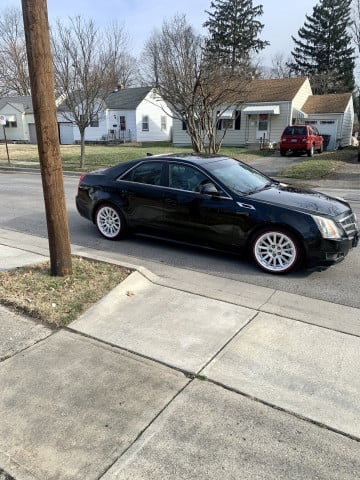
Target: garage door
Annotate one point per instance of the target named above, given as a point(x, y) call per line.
point(66, 133)
point(32, 133)
point(328, 127)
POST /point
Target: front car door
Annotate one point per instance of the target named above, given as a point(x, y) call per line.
point(194, 216)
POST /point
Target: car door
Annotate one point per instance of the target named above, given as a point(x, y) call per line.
point(194, 216)
point(143, 195)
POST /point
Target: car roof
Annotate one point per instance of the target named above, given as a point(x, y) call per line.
point(193, 159)
point(199, 159)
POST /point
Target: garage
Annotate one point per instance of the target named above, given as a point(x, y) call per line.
point(326, 127)
point(66, 133)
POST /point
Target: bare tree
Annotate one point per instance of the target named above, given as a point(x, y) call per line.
point(14, 75)
point(355, 26)
point(123, 68)
point(280, 66)
point(87, 68)
point(197, 91)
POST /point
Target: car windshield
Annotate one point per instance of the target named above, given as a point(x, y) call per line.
point(238, 177)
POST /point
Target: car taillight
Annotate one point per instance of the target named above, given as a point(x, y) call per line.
point(82, 176)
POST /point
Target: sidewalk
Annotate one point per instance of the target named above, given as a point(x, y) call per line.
point(189, 377)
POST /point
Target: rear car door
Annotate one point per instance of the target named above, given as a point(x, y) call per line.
point(143, 195)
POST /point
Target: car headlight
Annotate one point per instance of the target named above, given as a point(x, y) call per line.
point(328, 228)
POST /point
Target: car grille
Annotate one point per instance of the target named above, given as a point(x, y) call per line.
point(349, 225)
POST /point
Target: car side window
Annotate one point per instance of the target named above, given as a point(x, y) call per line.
point(184, 177)
point(147, 172)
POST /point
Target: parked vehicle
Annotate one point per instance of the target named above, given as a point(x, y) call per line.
point(301, 139)
point(220, 202)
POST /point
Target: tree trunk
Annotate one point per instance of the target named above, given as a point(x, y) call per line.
point(82, 148)
point(43, 97)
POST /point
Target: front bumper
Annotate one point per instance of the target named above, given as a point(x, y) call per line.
point(330, 252)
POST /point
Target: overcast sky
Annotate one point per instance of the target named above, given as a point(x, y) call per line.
point(139, 17)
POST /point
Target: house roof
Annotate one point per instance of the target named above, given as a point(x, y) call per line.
point(22, 103)
point(331, 103)
point(127, 98)
point(273, 90)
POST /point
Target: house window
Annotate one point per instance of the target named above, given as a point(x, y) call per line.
point(226, 124)
point(11, 122)
point(327, 122)
point(184, 126)
point(163, 122)
point(310, 122)
point(94, 122)
point(122, 122)
point(145, 123)
point(263, 122)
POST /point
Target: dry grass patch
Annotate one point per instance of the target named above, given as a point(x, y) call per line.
point(59, 300)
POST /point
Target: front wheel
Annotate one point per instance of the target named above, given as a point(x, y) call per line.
point(110, 222)
point(321, 149)
point(310, 152)
point(275, 251)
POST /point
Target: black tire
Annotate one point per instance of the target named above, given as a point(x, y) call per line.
point(310, 152)
point(321, 149)
point(283, 153)
point(275, 251)
point(110, 222)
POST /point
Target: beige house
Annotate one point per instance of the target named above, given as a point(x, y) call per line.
point(20, 122)
point(268, 106)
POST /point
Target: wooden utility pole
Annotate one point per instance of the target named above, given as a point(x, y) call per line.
point(43, 96)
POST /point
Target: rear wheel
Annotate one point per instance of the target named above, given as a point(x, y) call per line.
point(310, 152)
point(110, 222)
point(283, 153)
point(275, 251)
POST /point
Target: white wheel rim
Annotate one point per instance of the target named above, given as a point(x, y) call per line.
point(275, 252)
point(108, 222)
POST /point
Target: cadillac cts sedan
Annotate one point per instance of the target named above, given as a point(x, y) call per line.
point(220, 202)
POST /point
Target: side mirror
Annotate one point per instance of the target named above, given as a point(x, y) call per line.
point(209, 189)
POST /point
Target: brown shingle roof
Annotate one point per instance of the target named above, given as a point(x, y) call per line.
point(273, 90)
point(331, 103)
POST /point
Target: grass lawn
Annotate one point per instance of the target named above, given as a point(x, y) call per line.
point(322, 165)
point(59, 300)
point(97, 156)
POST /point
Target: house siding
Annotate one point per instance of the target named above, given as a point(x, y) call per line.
point(154, 108)
point(21, 132)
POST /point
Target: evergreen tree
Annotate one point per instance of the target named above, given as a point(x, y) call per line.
point(323, 51)
point(233, 33)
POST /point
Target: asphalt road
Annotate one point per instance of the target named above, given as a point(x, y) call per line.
point(22, 209)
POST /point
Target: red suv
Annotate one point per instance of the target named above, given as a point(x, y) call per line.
point(301, 139)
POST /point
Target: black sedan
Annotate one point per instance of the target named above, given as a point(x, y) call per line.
point(220, 202)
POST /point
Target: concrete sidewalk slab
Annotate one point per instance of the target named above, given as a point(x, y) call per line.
point(210, 433)
point(11, 258)
point(70, 406)
point(314, 311)
point(174, 327)
point(305, 369)
point(17, 332)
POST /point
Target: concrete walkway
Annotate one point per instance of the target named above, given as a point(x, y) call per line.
point(184, 378)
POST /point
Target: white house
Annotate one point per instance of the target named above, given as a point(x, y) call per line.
point(268, 106)
point(20, 122)
point(129, 114)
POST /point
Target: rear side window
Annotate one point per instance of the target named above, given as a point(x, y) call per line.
point(147, 172)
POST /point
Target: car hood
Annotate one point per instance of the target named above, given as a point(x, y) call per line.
point(305, 200)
